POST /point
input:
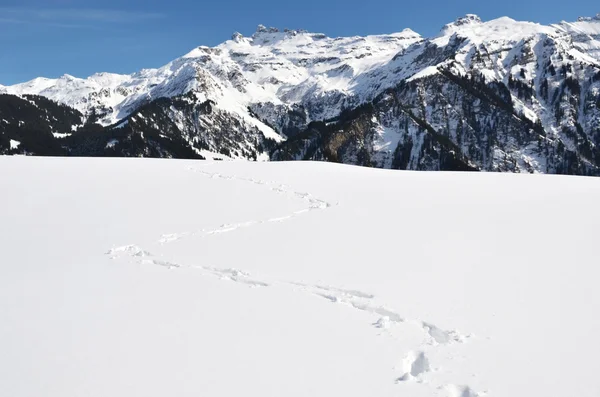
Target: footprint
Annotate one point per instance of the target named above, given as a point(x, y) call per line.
point(382, 323)
point(318, 204)
point(414, 365)
point(169, 238)
point(379, 310)
point(330, 298)
point(226, 228)
point(362, 306)
point(354, 293)
point(461, 391)
point(132, 250)
point(235, 275)
point(169, 265)
point(441, 337)
point(280, 219)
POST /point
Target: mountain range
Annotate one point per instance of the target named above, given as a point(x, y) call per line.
point(501, 95)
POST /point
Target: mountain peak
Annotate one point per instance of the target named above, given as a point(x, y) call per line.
point(68, 77)
point(264, 35)
point(408, 31)
point(589, 19)
point(469, 19)
point(237, 36)
point(263, 29)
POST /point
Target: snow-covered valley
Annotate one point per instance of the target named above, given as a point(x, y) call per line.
point(122, 277)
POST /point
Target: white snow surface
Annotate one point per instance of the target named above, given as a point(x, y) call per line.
point(138, 277)
point(585, 33)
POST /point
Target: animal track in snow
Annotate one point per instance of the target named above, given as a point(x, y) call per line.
point(414, 365)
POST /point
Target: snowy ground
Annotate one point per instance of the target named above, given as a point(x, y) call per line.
point(129, 277)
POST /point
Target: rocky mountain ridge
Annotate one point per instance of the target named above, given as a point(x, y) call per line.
point(500, 95)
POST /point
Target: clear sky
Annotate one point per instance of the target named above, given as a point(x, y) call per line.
point(53, 37)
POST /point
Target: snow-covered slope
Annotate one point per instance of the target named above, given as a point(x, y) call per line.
point(585, 34)
point(127, 277)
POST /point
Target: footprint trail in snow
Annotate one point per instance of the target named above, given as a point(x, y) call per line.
point(415, 366)
point(281, 189)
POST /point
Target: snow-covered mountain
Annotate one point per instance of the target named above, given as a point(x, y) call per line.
point(279, 68)
point(499, 95)
point(506, 95)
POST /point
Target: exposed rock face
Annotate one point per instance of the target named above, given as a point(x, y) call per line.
point(528, 103)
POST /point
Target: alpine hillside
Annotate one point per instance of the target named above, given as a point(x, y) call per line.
point(501, 95)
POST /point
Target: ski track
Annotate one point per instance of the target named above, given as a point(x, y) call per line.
point(415, 365)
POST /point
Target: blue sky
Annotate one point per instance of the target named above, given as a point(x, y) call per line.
point(53, 37)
